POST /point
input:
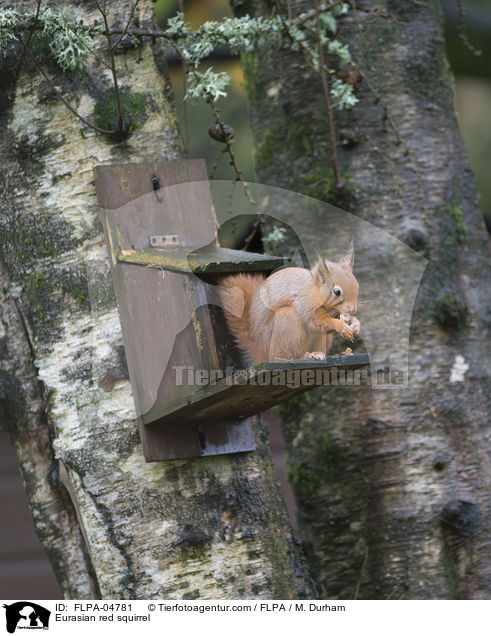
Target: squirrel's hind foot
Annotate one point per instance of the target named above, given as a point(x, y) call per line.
point(314, 355)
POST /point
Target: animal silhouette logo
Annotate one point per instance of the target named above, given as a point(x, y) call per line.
point(26, 615)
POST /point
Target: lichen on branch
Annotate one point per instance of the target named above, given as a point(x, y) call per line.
point(70, 43)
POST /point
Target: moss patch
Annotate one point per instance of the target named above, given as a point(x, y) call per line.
point(270, 143)
point(285, 409)
point(75, 285)
point(450, 311)
point(45, 296)
point(36, 294)
point(451, 230)
point(12, 402)
point(133, 106)
point(303, 479)
point(35, 236)
point(458, 218)
point(295, 135)
point(299, 136)
point(321, 185)
point(306, 479)
point(27, 238)
point(418, 241)
point(252, 79)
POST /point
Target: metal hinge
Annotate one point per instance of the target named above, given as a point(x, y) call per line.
point(165, 240)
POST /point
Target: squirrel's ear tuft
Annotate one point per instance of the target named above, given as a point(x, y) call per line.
point(321, 271)
point(349, 258)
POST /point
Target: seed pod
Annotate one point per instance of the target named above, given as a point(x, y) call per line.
point(221, 132)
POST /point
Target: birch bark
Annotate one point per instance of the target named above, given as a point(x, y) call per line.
point(113, 525)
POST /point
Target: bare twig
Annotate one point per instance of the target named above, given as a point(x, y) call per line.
point(117, 94)
point(185, 111)
point(289, 6)
point(251, 236)
point(322, 72)
point(303, 48)
point(461, 27)
point(141, 33)
point(217, 161)
point(325, 88)
point(185, 69)
point(137, 32)
point(228, 148)
point(375, 10)
point(125, 30)
point(233, 228)
point(29, 38)
point(62, 98)
point(311, 14)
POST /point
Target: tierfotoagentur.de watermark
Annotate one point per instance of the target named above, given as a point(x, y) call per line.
point(187, 375)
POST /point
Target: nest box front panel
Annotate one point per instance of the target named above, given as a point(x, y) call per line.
point(164, 312)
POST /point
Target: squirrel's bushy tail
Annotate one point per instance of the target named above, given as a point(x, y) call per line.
point(236, 293)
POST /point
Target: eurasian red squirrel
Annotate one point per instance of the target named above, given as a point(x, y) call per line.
point(294, 312)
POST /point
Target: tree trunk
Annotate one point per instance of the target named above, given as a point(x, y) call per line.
point(118, 527)
point(393, 487)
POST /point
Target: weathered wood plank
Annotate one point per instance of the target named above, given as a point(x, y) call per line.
point(118, 185)
point(250, 391)
point(165, 317)
point(197, 439)
point(209, 260)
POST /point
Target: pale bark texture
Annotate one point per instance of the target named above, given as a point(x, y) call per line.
point(113, 525)
point(393, 487)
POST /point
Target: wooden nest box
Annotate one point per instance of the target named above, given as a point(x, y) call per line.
point(189, 396)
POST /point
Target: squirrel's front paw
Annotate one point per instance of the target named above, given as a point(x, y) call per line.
point(315, 355)
point(344, 331)
point(352, 322)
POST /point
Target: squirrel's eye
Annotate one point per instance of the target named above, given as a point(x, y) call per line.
point(336, 291)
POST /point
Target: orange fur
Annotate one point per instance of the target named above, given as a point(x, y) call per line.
point(236, 293)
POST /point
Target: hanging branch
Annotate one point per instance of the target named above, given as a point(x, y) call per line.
point(64, 101)
point(112, 62)
point(321, 71)
point(185, 111)
point(248, 240)
point(217, 161)
point(192, 47)
point(34, 25)
point(325, 88)
point(461, 30)
point(125, 30)
point(228, 148)
point(25, 45)
point(313, 12)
